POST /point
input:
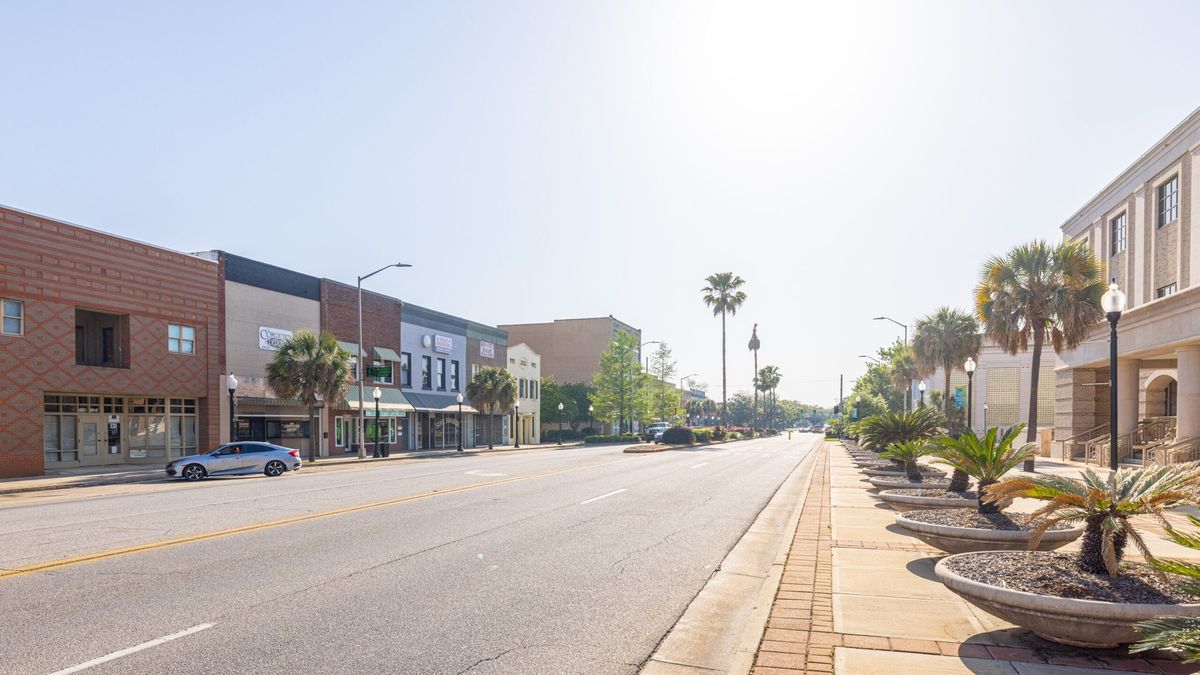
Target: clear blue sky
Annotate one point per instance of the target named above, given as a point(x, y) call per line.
point(563, 159)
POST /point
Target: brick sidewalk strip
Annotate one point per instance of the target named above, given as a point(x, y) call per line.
point(800, 635)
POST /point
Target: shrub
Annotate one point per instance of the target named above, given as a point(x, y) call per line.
point(629, 437)
point(985, 458)
point(733, 435)
point(599, 438)
point(702, 435)
point(718, 434)
point(880, 432)
point(678, 436)
point(1176, 633)
point(551, 435)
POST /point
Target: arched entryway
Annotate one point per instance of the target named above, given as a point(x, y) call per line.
point(1162, 396)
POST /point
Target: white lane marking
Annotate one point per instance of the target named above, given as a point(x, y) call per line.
point(594, 499)
point(477, 472)
point(700, 465)
point(132, 650)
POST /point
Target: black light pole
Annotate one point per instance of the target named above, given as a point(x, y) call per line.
point(231, 384)
point(907, 392)
point(560, 427)
point(1113, 303)
point(921, 387)
point(969, 366)
point(591, 417)
point(460, 424)
point(517, 424)
point(376, 394)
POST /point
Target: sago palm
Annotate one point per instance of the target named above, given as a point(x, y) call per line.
point(1105, 506)
point(724, 295)
point(985, 458)
point(878, 432)
point(308, 368)
point(1039, 290)
point(908, 453)
point(492, 389)
point(1176, 633)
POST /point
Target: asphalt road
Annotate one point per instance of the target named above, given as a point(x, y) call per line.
point(562, 561)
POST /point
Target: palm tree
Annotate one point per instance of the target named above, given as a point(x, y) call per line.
point(492, 389)
point(985, 458)
point(902, 370)
point(723, 294)
point(945, 339)
point(308, 368)
point(767, 380)
point(754, 345)
point(1040, 288)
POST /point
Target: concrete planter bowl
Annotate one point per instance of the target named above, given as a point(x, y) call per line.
point(902, 502)
point(970, 539)
point(899, 482)
point(1080, 623)
point(899, 471)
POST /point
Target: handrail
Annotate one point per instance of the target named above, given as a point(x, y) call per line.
point(1174, 452)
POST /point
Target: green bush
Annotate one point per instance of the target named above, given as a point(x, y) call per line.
point(702, 435)
point(734, 435)
point(718, 434)
point(551, 436)
point(596, 439)
point(678, 436)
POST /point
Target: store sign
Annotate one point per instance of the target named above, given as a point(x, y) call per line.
point(960, 397)
point(380, 372)
point(271, 339)
point(443, 344)
point(487, 350)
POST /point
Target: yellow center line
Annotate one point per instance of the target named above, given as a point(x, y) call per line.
point(167, 543)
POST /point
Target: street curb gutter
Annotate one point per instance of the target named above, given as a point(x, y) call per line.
point(721, 628)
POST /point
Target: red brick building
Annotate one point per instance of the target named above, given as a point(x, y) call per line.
point(109, 348)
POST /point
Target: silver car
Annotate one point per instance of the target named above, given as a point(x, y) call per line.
point(237, 459)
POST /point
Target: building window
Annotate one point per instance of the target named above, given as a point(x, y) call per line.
point(60, 444)
point(426, 372)
point(1163, 292)
point(181, 339)
point(474, 370)
point(454, 376)
point(1117, 228)
point(405, 369)
point(521, 388)
point(441, 374)
point(14, 317)
point(1168, 201)
point(380, 364)
point(101, 339)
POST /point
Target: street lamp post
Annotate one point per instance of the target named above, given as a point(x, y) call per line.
point(1113, 303)
point(591, 417)
point(969, 366)
point(460, 424)
point(517, 424)
point(907, 392)
point(315, 438)
point(362, 449)
point(376, 394)
point(560, 426)
point(921, 388)
point(865, 356)
point(681, 381)
point(231, 384)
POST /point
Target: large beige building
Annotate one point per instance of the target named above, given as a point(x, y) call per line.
point(1141, 228)
point(570, 348)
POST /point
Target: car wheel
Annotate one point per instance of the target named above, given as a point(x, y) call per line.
point(274, 468)
point(193, 472)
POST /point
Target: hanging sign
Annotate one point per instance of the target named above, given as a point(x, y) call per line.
point(487, 350)
point(271, 339)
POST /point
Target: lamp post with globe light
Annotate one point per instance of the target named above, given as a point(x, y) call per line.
point(460, 424)
point(376, 394)
point(1113, 303)
point(231, 383)
point(921, 388)
point(969, 366)
point(517, 424)
point(560, 426)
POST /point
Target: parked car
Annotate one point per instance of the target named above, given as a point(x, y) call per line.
point(654, 431)
point(237, 459)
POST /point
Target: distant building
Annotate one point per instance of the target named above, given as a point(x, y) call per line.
point(525, 365)
point(570, 348)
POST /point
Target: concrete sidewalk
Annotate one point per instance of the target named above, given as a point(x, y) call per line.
point(859, 596)
point(60, 479)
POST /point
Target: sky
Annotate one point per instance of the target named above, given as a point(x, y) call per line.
point(542, 160)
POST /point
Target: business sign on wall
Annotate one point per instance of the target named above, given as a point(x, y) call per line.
point(487, 350)
point(443, 344)
point(271, 339)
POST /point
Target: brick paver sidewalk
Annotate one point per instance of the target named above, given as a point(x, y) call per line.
point(881, 620)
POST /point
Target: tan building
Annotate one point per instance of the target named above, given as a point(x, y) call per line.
point(570, 348)
point(1141, 228)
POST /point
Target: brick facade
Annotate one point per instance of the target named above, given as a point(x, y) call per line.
point(54, 269)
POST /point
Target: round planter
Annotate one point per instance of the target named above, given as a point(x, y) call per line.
point(899, 472)
point(890, 483)
point(902, 503)
point(969, 539)
point(1080, 623)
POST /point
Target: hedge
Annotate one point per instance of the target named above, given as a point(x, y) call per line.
point(678, 436)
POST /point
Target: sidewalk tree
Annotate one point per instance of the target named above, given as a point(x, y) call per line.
point(945, 339)
point(1039, 290)
point(581, 394)
point(553, 394)
point(724, 295)
point(492, 391)
point(741, 410)
point(665, 398)
point(308, 368)
point(619, 387)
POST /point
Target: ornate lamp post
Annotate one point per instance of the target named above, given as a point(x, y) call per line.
point(376, 394)
point(1113, 303)
point(921, 388)
point(517, 424)
point(560, 427)
point(969, 366)
point(231, 385)
point(460, 424)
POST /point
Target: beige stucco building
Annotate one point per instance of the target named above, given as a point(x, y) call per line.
point(1141, 228)
point(570, 348)
point(525, 365)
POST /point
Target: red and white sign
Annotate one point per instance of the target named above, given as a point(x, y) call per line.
point(443, 344)
point(487, 350)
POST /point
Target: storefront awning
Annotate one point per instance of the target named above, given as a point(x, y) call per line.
point(442, 403)
point(269, 402)
point(350, 347)
point(392, 401)
point(385, 354)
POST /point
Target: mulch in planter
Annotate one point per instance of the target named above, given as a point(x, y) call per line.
point(976, 520)
point(969, 495)
point(1058, 575)
point(898, 482)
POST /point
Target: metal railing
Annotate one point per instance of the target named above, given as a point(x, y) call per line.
point(1174, 451)
point(1151, 431)
point(1077, 444)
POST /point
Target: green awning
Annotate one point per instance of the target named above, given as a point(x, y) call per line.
point(269, 402)
point(350, 347)
point(385, 354)
point(391, 400)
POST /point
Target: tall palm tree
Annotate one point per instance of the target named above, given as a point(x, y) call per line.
point(767, 380)
point(492, 389)
point(754, 345)
point(307, 368)
point(902, 370)
point(1034, 290)
point(946, 339)
point(723, 293)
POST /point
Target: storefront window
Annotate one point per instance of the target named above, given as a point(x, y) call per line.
point(60, 443)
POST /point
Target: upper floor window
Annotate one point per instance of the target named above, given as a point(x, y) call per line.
point(405, 369)
point(1163, 292)
point(441, 374)
point(101, 339)
point(521, 388)
point(383, 380)
point(1117, 227)
point(474, 370)
point(1168, 201)
point(181, 339)
point(426, 372)
point(14, 317)
point(454, 376)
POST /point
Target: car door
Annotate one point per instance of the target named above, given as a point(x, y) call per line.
point(255, 456)
point(226, 459)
